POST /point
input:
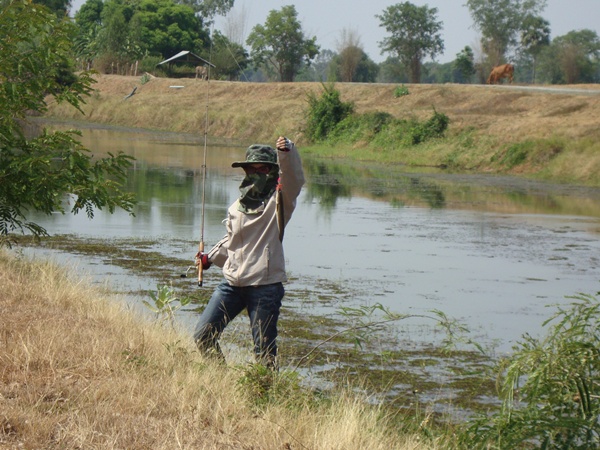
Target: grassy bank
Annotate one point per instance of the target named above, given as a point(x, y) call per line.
point(79, 371)
point(539, 132)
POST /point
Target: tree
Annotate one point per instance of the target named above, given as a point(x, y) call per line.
point(209, 9)
point(166, 28)
point(350, 53)
point(414, 35)
point(392, 71)
point(500, 22)
point(464, 66)
point(281, 43)
point(366, 71)
point(234, 26)
point(89, 22)
point(229, 58)
point(59, 7)
point(535, 35)
point(45, 172)
point(321, 69)
point(115, 29)
point(121, 32)
point(577, 54)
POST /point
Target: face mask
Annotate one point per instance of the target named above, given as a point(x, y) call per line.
point(255, 190)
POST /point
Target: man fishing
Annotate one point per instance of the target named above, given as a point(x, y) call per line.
point(251, 253)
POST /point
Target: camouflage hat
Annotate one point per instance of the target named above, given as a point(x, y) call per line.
point(258, 154)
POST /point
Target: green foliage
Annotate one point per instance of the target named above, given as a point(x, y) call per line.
point(572, 58)
point(414, 34)
point(229, 58)
point(59, 7)
point(116, 32)
point(209, 9)
point(356, 128)
point(325, 113)
point(352, 64)
point(166, 304)
point(39, 173)
point(433, 127)
point(535, 34)
point(149, 64)
point(550, 387)
point(281, 43)
point(463, 65)
point(401, 91)
point(500, 23)
point(331, 120)
point(390, 132)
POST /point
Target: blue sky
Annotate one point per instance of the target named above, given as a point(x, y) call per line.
point(326, 19)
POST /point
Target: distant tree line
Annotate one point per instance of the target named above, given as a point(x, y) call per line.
point(113, 35)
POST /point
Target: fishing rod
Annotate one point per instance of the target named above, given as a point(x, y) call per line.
point(201, 243)
point(197, 262)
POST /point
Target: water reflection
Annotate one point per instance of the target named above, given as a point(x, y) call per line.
point(331, 181)
point(490, 250)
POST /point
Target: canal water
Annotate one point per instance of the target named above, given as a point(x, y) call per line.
point(490, 251)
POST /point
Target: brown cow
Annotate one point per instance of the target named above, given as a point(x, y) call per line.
point(202, 71)
point(499, 72)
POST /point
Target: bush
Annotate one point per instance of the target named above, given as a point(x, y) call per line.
point(362, 127)
point(400, 91)
point(325, 113)
point(328, 118)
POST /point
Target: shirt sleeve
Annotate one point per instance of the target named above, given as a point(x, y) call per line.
point(291, 178)
point(218, 254)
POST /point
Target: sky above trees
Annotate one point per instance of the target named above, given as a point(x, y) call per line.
point(327, 19)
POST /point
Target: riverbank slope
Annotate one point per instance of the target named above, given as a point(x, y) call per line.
point(81, 370)
point(551, 132)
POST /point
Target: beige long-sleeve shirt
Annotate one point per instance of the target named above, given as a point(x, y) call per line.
point(251, 253)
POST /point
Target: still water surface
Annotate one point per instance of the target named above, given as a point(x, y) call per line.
point(490, 251)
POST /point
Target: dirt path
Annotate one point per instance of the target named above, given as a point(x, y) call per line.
point(589, 90)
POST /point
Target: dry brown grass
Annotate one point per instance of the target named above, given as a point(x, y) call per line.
point(78, 370)
point(484, 120)
point(255, 111)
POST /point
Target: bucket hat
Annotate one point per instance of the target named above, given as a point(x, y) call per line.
point(258, 154)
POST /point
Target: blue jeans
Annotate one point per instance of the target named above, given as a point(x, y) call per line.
point(263, 304)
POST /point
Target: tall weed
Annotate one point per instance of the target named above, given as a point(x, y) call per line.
point(550, 387)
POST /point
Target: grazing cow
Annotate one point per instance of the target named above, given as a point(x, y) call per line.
point(202, 71)
point(499, 72)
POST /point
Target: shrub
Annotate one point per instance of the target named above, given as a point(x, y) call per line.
point(325, 113)
point(433, 127)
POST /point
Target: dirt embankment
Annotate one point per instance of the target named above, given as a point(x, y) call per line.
point(251, 111)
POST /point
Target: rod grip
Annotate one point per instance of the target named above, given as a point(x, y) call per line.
point(200, 250)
